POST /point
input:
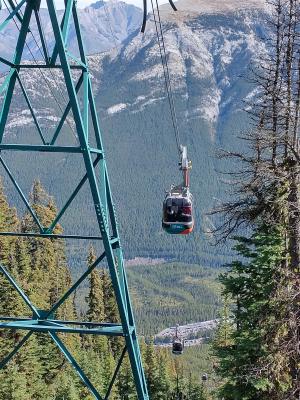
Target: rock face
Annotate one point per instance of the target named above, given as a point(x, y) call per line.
point(207, 53)
point(104, 25)
point(210, 46)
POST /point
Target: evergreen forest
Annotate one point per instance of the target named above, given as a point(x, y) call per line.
point(173, 293)
point(38, 370)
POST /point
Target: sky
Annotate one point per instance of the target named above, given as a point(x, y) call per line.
point(84, 3)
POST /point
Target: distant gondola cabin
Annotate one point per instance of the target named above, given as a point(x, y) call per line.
point(177, 347)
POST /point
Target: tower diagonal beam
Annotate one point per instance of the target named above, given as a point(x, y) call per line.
point(36, 122)
point(19, 190)
point(7, 359)
point(114, 377)
point(76, 366)
point(6, 62)
point(76, 284)
point(20, 291)
point(12, 14)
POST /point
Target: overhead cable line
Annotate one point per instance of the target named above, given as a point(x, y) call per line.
point(166, 71)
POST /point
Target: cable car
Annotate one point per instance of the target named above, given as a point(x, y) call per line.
point(178, 204)
point(178, 344)
point(178, 212)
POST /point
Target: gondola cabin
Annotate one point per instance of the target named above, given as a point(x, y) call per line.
point(178, 213)
point(177, 347)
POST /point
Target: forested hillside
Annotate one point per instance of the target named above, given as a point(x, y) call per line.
point(39, 370)
point(209, 56)
point(169, 294)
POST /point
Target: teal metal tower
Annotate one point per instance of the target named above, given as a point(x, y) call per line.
point(82, 107)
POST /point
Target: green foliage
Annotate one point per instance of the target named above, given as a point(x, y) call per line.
point(167, 294)
point(244, 341)
point(39, 371)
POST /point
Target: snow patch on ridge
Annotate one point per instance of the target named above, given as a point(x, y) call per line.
point(209, 110)
point(116, 108)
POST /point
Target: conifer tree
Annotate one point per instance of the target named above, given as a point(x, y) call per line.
point(198, 393)
point(151, 371)
point(97, 353)
point(195, 391)
point(163, 384)
point(12, 379)
point(108, 367)
point(125, 384)
point(95, 298)
point(245, 353)
point(65, 387)
point(223, 335)
point(111, 313)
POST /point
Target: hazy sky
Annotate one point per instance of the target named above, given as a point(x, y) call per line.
point(84, 3)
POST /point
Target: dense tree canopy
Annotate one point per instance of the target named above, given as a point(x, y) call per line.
point(39, 370)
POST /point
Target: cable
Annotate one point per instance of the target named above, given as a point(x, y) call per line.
point(176, 130)
point(37, 11)
point(166, 71)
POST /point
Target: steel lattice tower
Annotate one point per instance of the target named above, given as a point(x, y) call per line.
point(85, 118)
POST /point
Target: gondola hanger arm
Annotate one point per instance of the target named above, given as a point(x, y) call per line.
point(172, 5)
point(145, 12)
point(185, 166)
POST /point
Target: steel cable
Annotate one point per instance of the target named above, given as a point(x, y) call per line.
point(166, 71)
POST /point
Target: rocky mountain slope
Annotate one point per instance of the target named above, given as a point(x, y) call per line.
point(104, 26)
point(210, 46)
point(194, 8)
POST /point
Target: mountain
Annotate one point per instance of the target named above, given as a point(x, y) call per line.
point(104, 25)
point(210, 47)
